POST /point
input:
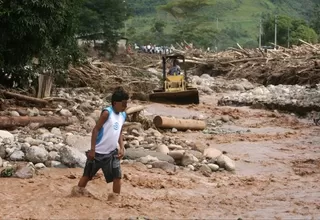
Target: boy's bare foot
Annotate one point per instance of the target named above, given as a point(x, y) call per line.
point(79, 191)
point(114, 197)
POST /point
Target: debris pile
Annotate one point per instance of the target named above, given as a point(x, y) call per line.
point(297, 65)
point(50, 144)
point(105, 76)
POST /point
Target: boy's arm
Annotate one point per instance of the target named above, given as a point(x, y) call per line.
point(121, 144)
point(103, 118)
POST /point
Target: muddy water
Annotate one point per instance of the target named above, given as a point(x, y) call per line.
point(277, 177)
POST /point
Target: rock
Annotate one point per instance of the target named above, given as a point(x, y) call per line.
point(134, 143)
point(22, 112)
point(39, 166)
point(191, 167)
point(175, 147)
point(238, 87)
point(24, 147)
point(225, 162)
point(153, 132)
point(176, 154)
point(205, 169)
point(188, 159)
point(86, 107)
point(147, 159)
point(95, 115)
point(65, 112)
point(134, 154)
point(53, 163)
point(213, 167)
point(82, 143)
point(168, 167)
point(25, 172)
point(14, 113)
point(36, 154)
point(198, 146)
point(56, 131)
point(32, 141)
point(135, 132)
point(6, 135)
point(32, 112)
point(53, 155)
point(89, 124)
point(197, 154)
point(163, 149)
point(149, 166)
point(1, 162)
point(34, 126)
point(211, 153)
point(225, 118)
point(17, 155)
point(72, 157)
point(174, 130)
point(2, 151)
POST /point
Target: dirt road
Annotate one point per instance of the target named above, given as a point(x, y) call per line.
point(277, 176)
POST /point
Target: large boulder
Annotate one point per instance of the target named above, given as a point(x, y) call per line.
point(212, 153)
point(134, 154)
point(226, 162)
point(36, 154)
point(6, 135)
point(82, 143)
point(72, 157)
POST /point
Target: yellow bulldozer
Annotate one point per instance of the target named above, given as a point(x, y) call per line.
point(175, 88)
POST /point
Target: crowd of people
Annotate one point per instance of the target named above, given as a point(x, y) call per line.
point(153, 49)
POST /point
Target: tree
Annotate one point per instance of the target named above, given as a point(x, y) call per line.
point(102, 20)
point(298, 29)
point(190, 23)
point(42, 29)
point(315, 18)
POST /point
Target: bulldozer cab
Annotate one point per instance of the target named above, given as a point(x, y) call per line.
point(175, 77)
point(175, 88)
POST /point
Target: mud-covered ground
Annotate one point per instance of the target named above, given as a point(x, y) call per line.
point(277, 176)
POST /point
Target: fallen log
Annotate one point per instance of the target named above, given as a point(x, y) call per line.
point(7, 122)
point(24, 97)
point(134, 109)
point(180, 124)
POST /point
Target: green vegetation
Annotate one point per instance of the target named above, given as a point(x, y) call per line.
point(40, 36)
point(289, 31)
point(217, 23)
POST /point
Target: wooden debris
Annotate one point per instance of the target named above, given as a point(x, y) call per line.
point(24, 98)
point(8, 122)
point(180, 124)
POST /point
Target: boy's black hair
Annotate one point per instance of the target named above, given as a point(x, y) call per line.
point(119, 95)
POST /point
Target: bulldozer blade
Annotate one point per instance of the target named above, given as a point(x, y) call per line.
point(181, 97)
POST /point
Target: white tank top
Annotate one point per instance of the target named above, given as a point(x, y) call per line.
point(108, 136)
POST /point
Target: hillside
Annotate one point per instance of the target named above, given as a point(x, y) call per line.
point(239, 17)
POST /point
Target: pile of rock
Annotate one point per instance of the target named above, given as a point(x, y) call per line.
point(293, 98)
point(63, 149)
point(150, 147)
point(209, 85)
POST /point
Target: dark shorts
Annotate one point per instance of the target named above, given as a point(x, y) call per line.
point(109, 164)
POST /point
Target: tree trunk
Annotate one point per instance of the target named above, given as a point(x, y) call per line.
point(180, 124)
point(7, 122)
point(25, 98)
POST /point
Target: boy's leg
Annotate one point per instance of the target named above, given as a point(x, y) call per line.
point(113, 173)
point(83, 181)
point(117, 185)
point(89, 171)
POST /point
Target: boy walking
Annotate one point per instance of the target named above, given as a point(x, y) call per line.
point(106, 136)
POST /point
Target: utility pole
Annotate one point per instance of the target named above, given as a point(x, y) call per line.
point(275, 32)
point(260, 32)
point(288, 36)
point(217, 23)
point(125, 22)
